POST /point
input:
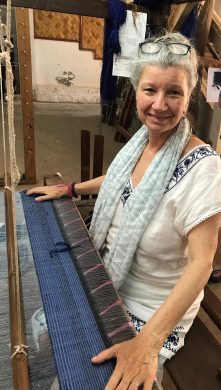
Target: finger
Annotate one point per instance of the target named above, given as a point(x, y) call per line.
point(134, 380)
point(139, 376)
point(114, 379)
point(42, 198)
point(104, 355)
point(36, 190)
point(148, 383)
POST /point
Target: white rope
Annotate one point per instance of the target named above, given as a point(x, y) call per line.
point(19, 349)
point(14, 172)
point(5, 60)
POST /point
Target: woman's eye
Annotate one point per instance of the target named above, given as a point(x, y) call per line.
point(149, 90)
point(173, 92)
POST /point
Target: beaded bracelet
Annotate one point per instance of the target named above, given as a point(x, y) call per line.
point(71, 190)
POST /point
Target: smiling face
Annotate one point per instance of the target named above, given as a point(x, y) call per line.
point(162, 98)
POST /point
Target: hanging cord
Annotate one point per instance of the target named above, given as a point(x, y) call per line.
point(14, 172)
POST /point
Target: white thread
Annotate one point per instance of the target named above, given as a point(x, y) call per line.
point(19, 349)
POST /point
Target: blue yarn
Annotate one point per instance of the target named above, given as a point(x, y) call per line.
point(117, 13)
point(189, 26)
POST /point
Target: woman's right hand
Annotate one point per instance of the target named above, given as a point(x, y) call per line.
point(49, 192)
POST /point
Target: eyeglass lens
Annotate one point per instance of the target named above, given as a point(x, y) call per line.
point(155, 47)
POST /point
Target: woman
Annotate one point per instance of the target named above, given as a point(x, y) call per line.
point(160, 197)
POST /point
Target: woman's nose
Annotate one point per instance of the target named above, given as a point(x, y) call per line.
point(159, 102)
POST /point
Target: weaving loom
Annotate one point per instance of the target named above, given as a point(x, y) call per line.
point(83, 311)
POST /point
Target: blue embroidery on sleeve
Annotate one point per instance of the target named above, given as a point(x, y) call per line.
point(188, 163)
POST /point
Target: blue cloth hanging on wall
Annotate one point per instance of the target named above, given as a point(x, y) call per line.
point(189, 26)
point(117, 17)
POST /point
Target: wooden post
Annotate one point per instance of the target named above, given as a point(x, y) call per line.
point(98, 156)
point(20, 359)
point(85, 157)
point(25, 70)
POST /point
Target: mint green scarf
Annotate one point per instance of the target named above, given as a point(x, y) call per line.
point(142, 203)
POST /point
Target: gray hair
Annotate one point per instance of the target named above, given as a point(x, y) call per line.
point(165, 58)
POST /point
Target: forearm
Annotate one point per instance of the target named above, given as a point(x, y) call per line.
point(62, 190)
point(89, 187)
point(180, 299)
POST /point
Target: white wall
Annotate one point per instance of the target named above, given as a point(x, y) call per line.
point(51, 58)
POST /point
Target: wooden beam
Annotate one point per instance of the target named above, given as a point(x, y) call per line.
point(98, 8)
point(25, 72)
point(178, 15)
point(79, 7)
point(217, 19)
point(204, 24)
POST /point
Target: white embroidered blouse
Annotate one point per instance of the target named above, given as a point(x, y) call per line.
point(193, 195)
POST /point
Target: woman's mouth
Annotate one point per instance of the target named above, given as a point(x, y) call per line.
point(159, 117)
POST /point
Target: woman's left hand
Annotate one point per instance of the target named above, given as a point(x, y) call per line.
point(136, 364)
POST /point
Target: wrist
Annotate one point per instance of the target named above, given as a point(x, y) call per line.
point(154, 338)
point(72, 191)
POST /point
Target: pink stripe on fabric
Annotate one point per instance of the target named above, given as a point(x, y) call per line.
point(93, 269)
point(74, 208)
point(83, 239)
point(73, 220)
point(64, 202)
point(110, 307)
point(101, 286)
point(85, 253)
point(76, 230)
point(120, 329)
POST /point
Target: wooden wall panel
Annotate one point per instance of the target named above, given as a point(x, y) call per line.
point(56, 25)
point(92, 35)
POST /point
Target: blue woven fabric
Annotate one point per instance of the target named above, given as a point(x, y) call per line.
point(74, 334)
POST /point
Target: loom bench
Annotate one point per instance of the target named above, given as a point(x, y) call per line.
point(197, 366)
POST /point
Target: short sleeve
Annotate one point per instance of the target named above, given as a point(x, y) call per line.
point(199, 194)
